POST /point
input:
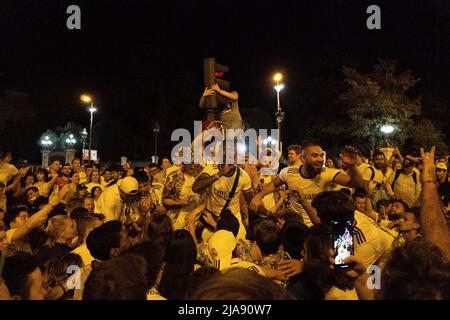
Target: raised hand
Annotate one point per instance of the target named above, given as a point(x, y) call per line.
point(54, 200)
point(208, 92)
point(349, 156)
point(429, 169)
point(215, 87)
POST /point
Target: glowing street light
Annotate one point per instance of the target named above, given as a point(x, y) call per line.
point(387, 129)
point(71, 140)
point(88, 99)
point(46, 142)
point(279, 114)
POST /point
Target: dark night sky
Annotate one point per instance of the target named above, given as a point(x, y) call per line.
point(142, 60)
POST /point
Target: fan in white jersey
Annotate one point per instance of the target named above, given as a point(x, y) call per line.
point(310, 178)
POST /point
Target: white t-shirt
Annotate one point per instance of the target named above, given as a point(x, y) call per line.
point(219, 191)
point(311, 187)
point(153, 294)
point(405, 188)
point(111, 205)
point(370, 240)
point(269, 200)
point(84, 253)
point(42, 188)
point(7, 171)
point(238, 263)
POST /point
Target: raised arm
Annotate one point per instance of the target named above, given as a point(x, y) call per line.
point(354, 180)
point(269, 188)
point(203, 181)
point(37, 219)
point(432, 221)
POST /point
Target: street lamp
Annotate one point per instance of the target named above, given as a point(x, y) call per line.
point(88, 99)
point(84, 135)
point(279, 114)
point(387, 129)
point(156, 129)
point(46, 143)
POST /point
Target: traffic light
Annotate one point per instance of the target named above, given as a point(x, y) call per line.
point(213, 73)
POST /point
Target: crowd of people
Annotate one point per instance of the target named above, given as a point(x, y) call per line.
point(225, 231)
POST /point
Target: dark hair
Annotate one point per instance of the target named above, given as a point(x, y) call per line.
point(72, 173)
point(199, 277)
point(58, 269)
point(290, 215)
point(35, 189)
point(267, 236)
point(333, 206)
point(17, 271)
point(78, 213)
point(83, 224)
point(359, 195)
point(378, 153)
point(153, 259)
point(152, 165)
point(120, 278)
point(407, 208)
point(415, 271)
point(296, 147)
point(308, 144)
point(75, 159)
point(229, 222)
point(141, 176)
point(317, 266)
point(44, 171)
point(240, 284)
point(160, 230)
point(95, 189)
point(180, 259)
point(293, 236)
point(104, 238)
point(13, 213)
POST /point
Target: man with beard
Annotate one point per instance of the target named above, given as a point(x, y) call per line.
point(310, 178)
point(65, 176)
point(376, 177)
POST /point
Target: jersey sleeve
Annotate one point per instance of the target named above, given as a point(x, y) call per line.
point(210, 170)
point(246, 182)
point(283, 175)
point(367, 174)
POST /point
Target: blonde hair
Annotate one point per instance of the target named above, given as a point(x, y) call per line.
point(55, 225)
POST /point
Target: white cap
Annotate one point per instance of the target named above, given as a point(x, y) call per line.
point(129, 185)
point(221, 246)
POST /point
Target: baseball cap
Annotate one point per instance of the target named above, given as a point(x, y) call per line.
point(441, 166)
point(129, 185)
point(220, 247)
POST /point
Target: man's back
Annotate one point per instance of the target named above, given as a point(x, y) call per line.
point(370, 240)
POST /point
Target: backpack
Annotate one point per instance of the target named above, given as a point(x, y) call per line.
point(397, 174)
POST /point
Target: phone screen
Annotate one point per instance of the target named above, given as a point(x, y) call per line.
point(342, 242)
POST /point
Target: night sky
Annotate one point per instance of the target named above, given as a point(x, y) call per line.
point(142, 60)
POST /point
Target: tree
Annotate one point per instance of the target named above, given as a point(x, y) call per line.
point(380, 98)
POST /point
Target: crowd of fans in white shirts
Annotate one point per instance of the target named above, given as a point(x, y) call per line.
point(225, 231)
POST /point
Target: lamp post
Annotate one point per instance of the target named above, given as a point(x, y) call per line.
point(387, 129)
point(69, 143)
point(156, 132)
point(84, 135)
point(279, 114)
point(47, 143)
point(88, 99)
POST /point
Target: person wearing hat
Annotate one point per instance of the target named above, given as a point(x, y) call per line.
point(444, 185)
point(223, 256)
point(116, 201)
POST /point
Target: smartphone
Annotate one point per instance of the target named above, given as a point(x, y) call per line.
point(342, 242)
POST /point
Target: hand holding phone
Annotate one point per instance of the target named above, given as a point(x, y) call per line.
point(342, 243)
